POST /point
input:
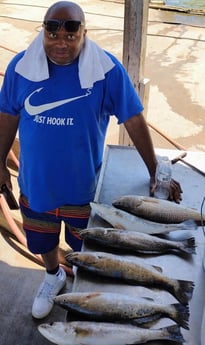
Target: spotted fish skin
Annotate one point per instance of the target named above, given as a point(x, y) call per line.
point(92, 333)
point(136, 242)
point(118, 307)
point(135, 272)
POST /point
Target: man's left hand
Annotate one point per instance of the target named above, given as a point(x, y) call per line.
point(175, 190)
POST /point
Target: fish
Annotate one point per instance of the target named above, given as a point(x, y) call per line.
point(136, 242)
point(103, 333)
point(123, 220)
point(116, 307)
point(157, 210)
point(131, 271)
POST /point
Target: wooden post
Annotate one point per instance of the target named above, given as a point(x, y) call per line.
point(134, 52)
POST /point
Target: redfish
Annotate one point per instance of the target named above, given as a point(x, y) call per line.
point(123, 220)
point(157, 210)
point(131, 271)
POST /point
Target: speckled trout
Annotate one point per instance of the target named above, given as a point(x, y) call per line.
point(131, 271)
point(123, 220)
point(116, 307)
point(136, 242)
point(92, 333)
point(157, 210)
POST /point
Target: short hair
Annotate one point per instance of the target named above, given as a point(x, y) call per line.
point(75, 8)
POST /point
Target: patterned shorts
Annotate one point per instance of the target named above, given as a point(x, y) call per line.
point(43, 229)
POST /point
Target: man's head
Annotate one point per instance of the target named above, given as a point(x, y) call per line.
point(64, 32)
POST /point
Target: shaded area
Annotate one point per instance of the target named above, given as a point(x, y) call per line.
point(19, 280)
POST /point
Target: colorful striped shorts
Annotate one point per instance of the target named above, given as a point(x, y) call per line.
point(43, 229)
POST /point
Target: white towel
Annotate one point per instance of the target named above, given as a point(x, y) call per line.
point(93, 64)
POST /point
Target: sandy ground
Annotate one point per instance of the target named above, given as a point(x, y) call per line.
point(174, 62)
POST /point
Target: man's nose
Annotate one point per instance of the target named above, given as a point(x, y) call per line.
point(62, 42)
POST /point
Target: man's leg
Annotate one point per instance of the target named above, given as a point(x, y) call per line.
point(42, 232)
point(75, 218)
point(54, 281)
point(50, 259)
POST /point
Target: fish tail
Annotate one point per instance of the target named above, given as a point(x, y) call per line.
point(189, 246)
point(184, 291)
point(189, 224)
point(182, 315)
point(173, 333)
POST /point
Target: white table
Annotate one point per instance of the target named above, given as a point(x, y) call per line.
point(123, 172)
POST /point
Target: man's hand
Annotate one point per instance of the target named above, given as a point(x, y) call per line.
point(175, 190)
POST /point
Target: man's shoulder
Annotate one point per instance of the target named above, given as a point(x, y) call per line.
point(15, 59)
point(113, 58)
point(119, 69)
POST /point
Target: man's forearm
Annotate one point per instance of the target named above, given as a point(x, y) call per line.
point(139, 134)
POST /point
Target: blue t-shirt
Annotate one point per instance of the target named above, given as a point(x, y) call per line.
point(62, 130)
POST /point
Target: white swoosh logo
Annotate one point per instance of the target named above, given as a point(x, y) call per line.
point(34, 110)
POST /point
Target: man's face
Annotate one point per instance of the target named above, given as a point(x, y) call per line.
point(63, 44)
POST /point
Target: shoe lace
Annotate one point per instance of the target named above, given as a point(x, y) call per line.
point(45, 290)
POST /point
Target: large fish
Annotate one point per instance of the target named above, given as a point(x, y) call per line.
point(124, 220)
point(92, 333)
point(157, 210)
point(130, 271)
point(136, 242)
point(117, 307)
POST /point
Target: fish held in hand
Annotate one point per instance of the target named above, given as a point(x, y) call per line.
point(133, 271)
point(157, 210)
point(92, 333)
point(123, 220)
point(136, 242)
point(118, 307)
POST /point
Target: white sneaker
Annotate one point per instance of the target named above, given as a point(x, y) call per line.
point(49, 288)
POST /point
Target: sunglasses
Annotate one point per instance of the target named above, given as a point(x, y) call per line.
point(53, 25)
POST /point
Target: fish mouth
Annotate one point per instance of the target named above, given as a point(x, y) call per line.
point(76, 260)
point(71, 257)
point(83, 233)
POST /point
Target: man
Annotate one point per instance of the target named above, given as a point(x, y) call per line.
point(60, 94)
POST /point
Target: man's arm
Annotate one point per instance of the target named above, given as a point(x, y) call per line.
point(139, 133)
point(8, 129)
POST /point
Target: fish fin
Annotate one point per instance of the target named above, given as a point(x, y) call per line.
point(158, 268)
point(182, 317)
point(94, 294)
point(149, 299)
point(189, 224)
point(173, 333)
point(190, 246)
point(146, 321)
point(150, 200)
point(184, 291)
